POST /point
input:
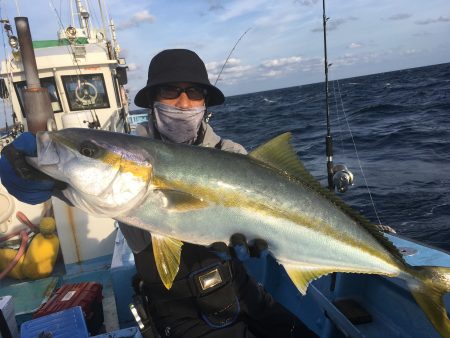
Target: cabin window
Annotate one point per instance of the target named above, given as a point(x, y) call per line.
point(85, 91)
point(46, 82)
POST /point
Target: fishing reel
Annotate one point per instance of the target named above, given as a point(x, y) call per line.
point(342, 178)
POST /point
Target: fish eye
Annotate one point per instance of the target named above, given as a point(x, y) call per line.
point(89, 149)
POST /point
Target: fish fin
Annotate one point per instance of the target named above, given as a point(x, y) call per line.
point(181, 201)
point(279, 154)
point(167, 253)
point(302, 276)
point(434, 283)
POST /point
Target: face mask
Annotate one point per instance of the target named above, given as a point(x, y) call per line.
point(178, 125)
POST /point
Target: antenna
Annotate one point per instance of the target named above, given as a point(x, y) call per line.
point(229, 55)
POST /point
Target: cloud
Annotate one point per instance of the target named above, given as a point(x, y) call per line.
point(133, 67)
point(411, 51)
point(242, 7)
point(334, 24)
point(306, 2)
point(399, 16)
point(215, 5)
point(350, 59)
point(124, 52)
point(272, 73)
point(136, 20)
point(430, 21)
point(421, 34)
point(282, 62)
point(233, 70)
point(284, 66)
point(354, 45)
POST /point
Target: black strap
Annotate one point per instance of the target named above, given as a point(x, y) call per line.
point(219, 144)
point(4, 328)
point(189, 286)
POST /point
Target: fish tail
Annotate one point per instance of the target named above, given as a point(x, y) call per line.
point(429, 285)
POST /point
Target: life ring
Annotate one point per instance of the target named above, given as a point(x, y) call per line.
point(83, 93)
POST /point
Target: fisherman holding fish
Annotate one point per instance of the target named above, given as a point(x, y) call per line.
point(211, 295)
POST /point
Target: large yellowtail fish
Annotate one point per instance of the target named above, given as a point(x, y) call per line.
point(201, 195)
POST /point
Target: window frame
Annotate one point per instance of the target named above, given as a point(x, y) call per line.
point(42, 80)
point(68, 79)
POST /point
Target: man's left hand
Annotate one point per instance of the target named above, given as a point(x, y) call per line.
point(241, 249)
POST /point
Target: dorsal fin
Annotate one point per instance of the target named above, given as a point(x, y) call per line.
point(279, 154)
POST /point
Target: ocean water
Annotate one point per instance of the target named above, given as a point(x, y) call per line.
point(400, 124)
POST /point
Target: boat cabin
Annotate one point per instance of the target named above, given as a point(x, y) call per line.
point(84, 82)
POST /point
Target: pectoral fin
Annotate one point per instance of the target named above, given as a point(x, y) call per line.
point(167, 252)
point(180, 201)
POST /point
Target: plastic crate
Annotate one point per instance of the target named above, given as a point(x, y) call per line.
point(68, 323)
point(87, 295)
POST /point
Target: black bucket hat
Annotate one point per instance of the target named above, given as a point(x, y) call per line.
point(177, 65)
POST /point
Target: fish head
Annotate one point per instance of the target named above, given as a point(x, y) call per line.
point(105, 174)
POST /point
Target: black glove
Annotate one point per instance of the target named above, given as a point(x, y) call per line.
point(241, 249)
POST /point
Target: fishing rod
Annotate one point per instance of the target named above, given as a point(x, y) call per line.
point(339, 177)
point(229, 55)
point(328, 138)
point(209, 114)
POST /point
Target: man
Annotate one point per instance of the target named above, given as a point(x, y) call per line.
point(178, 93)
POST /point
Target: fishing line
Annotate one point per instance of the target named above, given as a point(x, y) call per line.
point(229, 55)
point(108, 18)
point(341, 133)
point(94, 16)
point(357, 156)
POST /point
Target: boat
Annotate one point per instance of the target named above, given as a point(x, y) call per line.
point(90, 93)
point(85, 76)
point(137, 117)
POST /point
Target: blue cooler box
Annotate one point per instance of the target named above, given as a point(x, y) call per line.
point(64, 324)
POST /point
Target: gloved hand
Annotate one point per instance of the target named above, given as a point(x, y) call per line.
point(240, 248)
point(243, 250)
point(20, 179)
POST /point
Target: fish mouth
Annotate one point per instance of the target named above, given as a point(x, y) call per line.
point(46, 149)
point(96, 172)
point(59, 157)
point(48, 157)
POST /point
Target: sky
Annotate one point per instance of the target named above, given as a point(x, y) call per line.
point(281, 41)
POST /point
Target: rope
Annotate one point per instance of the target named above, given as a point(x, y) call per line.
point(341, 138)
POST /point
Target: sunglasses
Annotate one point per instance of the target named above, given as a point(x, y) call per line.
point(172, 92)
